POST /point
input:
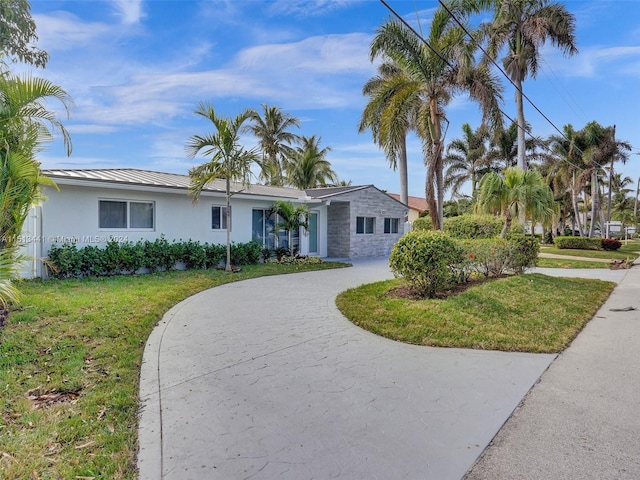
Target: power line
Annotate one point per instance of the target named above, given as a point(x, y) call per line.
point(446, 61)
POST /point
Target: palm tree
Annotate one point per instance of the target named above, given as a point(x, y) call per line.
point(466, 159)
point(25, 126)
point(291, 219)
point(564, 165)
point(518, 193)
point(229, 160)
point(389, 118)
point(429, 81)
point(275, 139)
point(307, 167)
point(523, 27)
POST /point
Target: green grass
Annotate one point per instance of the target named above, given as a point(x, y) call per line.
point(569, 263)
point(83, 340)
point(526, 313)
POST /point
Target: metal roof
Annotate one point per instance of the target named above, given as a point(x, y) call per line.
point(332, 191)
point(132, 176)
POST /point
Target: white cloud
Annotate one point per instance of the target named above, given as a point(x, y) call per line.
point(64, 31)
point(130, 11)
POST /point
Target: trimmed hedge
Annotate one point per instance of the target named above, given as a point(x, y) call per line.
point(469, 226)
point(611, 244)
point(578, 243)
point(118, 258)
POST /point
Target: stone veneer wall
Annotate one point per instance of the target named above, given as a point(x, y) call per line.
point(368, 202)
point(338, 230)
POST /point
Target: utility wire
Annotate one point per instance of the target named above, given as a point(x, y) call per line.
point(445, 60)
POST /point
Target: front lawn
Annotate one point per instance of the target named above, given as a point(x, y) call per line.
point(69, 369)
point(526, 313)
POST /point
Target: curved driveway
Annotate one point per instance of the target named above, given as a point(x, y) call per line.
point(265, 379)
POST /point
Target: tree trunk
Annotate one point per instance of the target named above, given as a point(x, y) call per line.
point(594, 203)
point(576, 210)
point(402, 169)
point(227, 267)
point(507, 224)
point(522, 159)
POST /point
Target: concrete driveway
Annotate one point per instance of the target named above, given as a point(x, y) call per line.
point(265, 379)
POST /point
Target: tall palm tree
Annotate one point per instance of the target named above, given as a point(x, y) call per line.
point(229, 159)
point(518, 193)
point(275, 140)
point(307, 167)
point(522, 27)
point(389, 118)
point(292, 218)
point(466, 159)
point(430, 80)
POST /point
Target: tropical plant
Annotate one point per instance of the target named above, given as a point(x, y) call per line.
point(522, 27)
point(466, 159)
point(307, 166)
point(519, 192)
point(229, 159)
point(275, 140)
point(390, 118)
point(431, 75)
point(292, 218)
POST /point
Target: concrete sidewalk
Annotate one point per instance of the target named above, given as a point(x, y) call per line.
point(581, 421)
point(265, 379)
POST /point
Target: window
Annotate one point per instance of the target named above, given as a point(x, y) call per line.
point(365, 225)
point(123, 214)
point(218, 217)
point(264, 231)
point(391, 225)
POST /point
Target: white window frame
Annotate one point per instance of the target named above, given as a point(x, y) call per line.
point(366, 222)
point(128, 215)
point(391, 225)
point(223, 218)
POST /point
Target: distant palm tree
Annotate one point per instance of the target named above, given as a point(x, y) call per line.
point(229, 159)
point(523, 27)
point(292, 218)
point(307, 166)
point(390, 118)
point(275, 140)
point(518, 193)
point(466, 159)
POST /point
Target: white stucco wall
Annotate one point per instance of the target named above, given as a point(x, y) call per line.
point(72, 215)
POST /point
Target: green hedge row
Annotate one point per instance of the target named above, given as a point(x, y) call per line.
point(469, 226)
point(586, 243)
point(67, 260)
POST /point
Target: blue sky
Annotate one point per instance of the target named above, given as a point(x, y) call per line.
point(138, 69)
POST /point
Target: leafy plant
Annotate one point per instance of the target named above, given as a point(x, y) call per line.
point(424, 260)
point(611, 244)
point(579, 243)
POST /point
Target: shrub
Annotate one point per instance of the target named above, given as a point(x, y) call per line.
point(474, 226)
point(288, 260)
point(611, 244)
point(488, 256)
point(65, 260)
point(215, 254)
point(245, 253)
point(579, 243)
point(423, 259)
point(422, 223)
point(193, 255)
point(523, 252)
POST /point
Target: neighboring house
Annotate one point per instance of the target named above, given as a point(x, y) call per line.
point(95, 205)
point(417, 205)
point(362, 221)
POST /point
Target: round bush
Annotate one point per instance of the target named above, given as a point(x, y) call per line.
point(424, 259)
